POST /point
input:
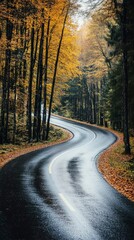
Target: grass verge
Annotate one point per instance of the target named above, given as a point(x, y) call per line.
point(9, 151)
point(118, 168)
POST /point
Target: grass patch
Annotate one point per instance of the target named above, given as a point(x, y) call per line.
point(55, 134)
point(10, 151)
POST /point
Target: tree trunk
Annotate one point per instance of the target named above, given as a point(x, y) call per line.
point(40, 80)
point(30, 87)
point(125, 79)
point(38, 94)
point(15, 99)
point(6, 84)
point(55, 73)
point(45, 82)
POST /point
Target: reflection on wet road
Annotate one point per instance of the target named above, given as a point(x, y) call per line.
point(57, 193)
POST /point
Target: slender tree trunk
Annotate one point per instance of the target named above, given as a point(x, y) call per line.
point(45, 81)
point(88, 105)
point(38, 94)
point(6, 84)
point(55, 73)
point(30, 87)
point(75, 107)
point(33, 56)
point(125, 79)
point(8, 94)
point(15, 100)
point(36, 105)
point(94, 103)
point(81, 106)
point(40, 80)
point(3, 107)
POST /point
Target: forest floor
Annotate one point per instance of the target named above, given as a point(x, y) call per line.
point(116, 167)
point(9, 151)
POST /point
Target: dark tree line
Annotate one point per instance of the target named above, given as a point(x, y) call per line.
point(109, 100)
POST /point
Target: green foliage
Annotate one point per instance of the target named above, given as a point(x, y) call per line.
point(75, 99)
point(55, 134)
point(97, 95)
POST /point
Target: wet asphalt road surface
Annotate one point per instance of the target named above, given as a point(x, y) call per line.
point(57, 193)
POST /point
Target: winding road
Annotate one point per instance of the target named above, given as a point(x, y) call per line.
point(57, 193)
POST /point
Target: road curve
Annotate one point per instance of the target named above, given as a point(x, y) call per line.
point(57, 193)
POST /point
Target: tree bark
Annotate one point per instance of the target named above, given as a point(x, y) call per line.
point(15, 100)
point(30, 86)
point(55, 73)
point(45, 81)
point(6, 84)
point(40, 80)
point(38, 94)
point(125, 79)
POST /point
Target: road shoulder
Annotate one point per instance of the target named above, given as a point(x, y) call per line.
point(18, 150)
point(118, 168)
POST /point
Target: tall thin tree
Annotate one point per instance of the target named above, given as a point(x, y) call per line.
point(125, 79)
point(55, 71)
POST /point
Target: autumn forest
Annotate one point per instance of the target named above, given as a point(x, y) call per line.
point(49, 64)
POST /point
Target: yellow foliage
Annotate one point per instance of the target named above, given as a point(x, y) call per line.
point(20, 43)
point(95, 51)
